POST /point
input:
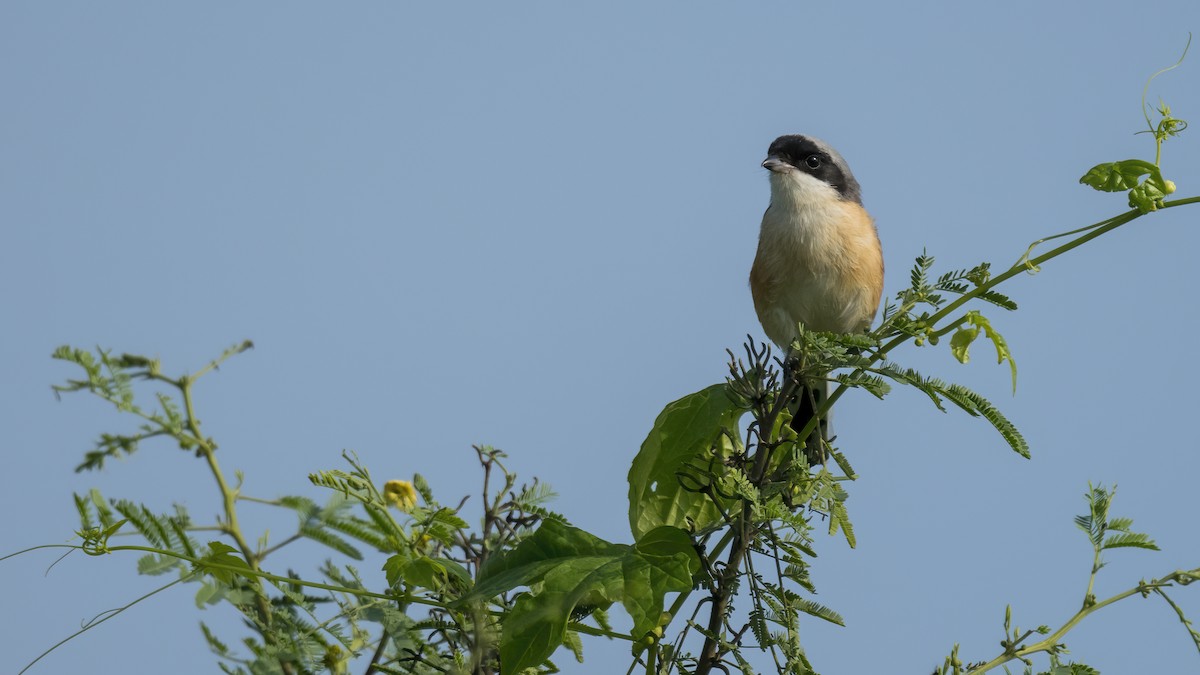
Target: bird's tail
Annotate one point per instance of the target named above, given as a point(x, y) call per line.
point(804, 408)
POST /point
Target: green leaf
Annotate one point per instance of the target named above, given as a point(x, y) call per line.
point(393, 568)
point(422, 487)
point(112, 529)
point(574, 571)
point(978, 405)
point(573, 642)
point(998, 299)
point(152, 564)
point(1130, 540)
point(1118, 176)
point(818, 610)
point(961, 342)
point(969, 401)
point(365, 531)
point(103, 512)
point(331, 540)
point(662, 562)
point(210, 593)
point(1120, 524)
point(681, 444)
point(224, 555)
point(552, 545)
point(457, 571)
point(537, 624)
point(1148, 196)
point(1084, 523)
point(449, 517)
point(214, 643)
point(303, 506)
point(840, 519)
point(1144, 195)
point(393, 620)
point(540, 634)
point(426, 572)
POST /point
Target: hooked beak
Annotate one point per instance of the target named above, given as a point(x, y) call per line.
point(776, 165)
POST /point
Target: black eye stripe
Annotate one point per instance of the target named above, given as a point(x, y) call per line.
point(815, 158)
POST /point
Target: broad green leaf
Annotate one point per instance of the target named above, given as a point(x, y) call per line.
point(1147, 196)
point(1118, 176)
point(224, 555)
point(667, 542)
point(681, 442)
point(456, 571)
point(426, 572)
point(573, 571)
point(446, 516)
point(393, 568)
point(1144, 195)
point(554, 544)
point(662, 562)
point(538, 623)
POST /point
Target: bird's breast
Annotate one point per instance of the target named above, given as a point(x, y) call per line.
point(818, 263)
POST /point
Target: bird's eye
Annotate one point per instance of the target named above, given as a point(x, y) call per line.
point(813, 161)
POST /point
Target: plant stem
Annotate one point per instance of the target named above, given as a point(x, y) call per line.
point(743, 534)
point(232, 526)
point(1051, 641)
point(96, 622)
point(1101, 228)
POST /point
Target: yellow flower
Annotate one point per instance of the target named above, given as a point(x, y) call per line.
point(400, 494)
point(335, 660)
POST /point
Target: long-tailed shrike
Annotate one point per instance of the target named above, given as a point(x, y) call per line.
point(819, 262)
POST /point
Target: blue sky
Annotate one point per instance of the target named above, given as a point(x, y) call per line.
point(530, 226)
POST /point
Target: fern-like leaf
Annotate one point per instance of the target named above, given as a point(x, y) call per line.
point(153, 564)
point(304, 506)
point(758, 626)
point(998, 299)
point(844, 464)
point(1007, 430)
point(324, 536)
point(919, 276)
point(1120, 524)
point(818, 610)
point(363, 530)
point(1130, 540)
point(872, 384)
point(219, 648)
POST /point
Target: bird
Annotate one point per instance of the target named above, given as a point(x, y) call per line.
point(819, 260)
